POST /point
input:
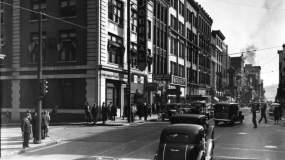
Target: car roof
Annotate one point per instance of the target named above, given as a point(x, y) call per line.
point(198, 116)
point(223, 103)
point(191, 129)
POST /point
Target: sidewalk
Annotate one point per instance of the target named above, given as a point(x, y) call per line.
point(11, 138)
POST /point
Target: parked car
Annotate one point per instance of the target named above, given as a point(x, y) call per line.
point(169, 110)
point(227, 113)
point(184, 142)
point(271, 108)
point(201, 107)
point(185, 108)
point(195, 119)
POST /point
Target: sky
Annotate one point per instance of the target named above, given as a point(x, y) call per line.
point(251, 24)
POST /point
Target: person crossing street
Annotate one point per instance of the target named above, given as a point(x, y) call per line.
point(263, 113)
point(253, 111)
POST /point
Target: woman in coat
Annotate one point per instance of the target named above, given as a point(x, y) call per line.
point(276, 113)
point(104, 112)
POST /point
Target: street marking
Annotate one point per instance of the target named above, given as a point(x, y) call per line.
point(242, 133)
point(130, 153)
point(250, 149)
point(231, 157)
point(271, 147)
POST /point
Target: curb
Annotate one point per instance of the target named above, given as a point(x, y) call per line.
point(30, 149)
point(54, 142)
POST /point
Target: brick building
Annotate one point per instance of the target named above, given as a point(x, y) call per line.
point(281, 85)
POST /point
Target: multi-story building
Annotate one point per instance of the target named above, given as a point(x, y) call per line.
point(281, 86)
point(186, 72)
point(112, 61)
point(238, 65)
point(216, 62)
point(84, 55)
point(254, 90)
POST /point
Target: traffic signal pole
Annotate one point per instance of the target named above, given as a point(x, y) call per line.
point(40, 77)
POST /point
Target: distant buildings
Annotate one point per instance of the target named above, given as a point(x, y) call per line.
point(280, 97)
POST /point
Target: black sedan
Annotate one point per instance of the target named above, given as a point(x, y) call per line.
point(184, 142)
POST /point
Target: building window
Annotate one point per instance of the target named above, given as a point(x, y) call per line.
point(115, 49)
point(134, 21)
point(181, 8)
point(116, 11)
point(36, 5)
point(149, 29)
point(2, 40)
point(67, 8)
point(134, 58)
point(34, 47)
point(67, 46)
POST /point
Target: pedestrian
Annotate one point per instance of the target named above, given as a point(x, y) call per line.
point(54, 115)
point(133, 111)
point(48, 122)
point(263, 113)
point(94, 111)
point(276, 113)
point(87, 112)
point(104, 112)
point(26, 129)
point(113, 111)
point(34, 126)
point(253, 111)
point(109, 107)
point(145, 111)
point(126, 112)
point(44, 124)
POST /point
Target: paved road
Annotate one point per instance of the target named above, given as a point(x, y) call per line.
point(140, 142)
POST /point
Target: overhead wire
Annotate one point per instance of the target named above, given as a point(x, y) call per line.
point(45, 14)
point(255, 50)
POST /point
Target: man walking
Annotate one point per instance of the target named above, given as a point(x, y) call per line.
point(26, 129)
point(253, 111)
point(263, 113)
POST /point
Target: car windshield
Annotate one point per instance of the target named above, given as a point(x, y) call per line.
point(177, 138)
point(221, 108)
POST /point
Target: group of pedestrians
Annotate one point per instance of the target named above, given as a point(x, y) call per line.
point(108, 112)
point(29, 124)
point(277, 113)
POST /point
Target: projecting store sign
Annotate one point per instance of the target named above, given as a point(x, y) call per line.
point(142, 34)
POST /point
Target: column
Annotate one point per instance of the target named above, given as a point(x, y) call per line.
point(15, 113)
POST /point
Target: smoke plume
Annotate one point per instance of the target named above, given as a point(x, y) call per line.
point(249, 54)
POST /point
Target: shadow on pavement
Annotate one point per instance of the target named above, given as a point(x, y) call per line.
point(118, 142)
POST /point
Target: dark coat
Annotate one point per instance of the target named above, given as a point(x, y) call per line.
point(104, 112)
point(26, 125)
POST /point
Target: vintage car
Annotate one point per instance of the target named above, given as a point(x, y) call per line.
point(184, 142)
point(271, 108)
point(201, 107)
point(228, 113)
point(169, 110)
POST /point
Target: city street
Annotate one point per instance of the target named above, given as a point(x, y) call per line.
point(141, 141)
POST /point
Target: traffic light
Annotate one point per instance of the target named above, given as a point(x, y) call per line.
point(44, 87)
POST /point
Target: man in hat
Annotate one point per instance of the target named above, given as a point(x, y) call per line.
point(26, 129)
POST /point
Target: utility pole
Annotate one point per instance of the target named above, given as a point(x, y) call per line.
point(40, 76)
point(129, 63)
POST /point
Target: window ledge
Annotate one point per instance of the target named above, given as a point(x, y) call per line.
point(116, 23)
point(61, 62)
